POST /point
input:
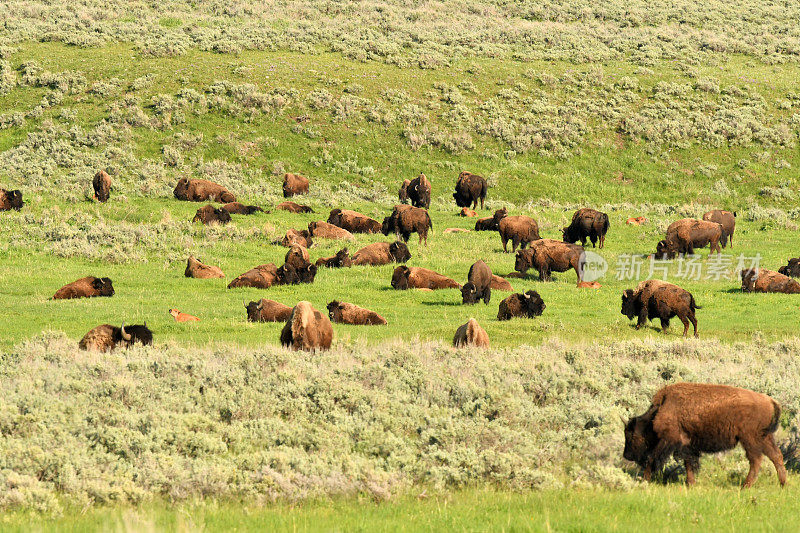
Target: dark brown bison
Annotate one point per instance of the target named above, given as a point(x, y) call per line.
point(10, 200)
point(658, 299)
point(307, 329)
point(471, 334)
point(294, 208)
point(347, 313)
point(406, 220)
point(324, 230)
point(500, 284)
point(297, 256)
point(196, 190)
point(761, 280)
point(470, 188)
point(548, 255)
point(527, 304)
point(419, 192)
point(288, 274)
point(353, 221)
point(342, 259)
point(402, 194)
point(404, 278)
point(520, 230)
point(792, 269)
point(238, 208)
point(491, 223)
point(88, 287)
point(260, 277)
point(296, 237)
point(196, 269)
point(478, 285)
point(683, 236)
point(727, 220)
point(102, 186)
point(208, 214)
point(382, 253)
point(587, 223)
point(267, 311)
point(294, 184)
point(686, 420)
point(106, 337)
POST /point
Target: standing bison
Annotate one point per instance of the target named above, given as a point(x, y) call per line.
point(727, 220)
point(210, 215)
point(353, 221)
point(382, 253)
point(684, 235)
point(792, 268)
point(196, 269)
point(342, 259)
point(761, 280)
point(478, 285)
point(404, 278)
point(294, 184)
point(106, 337)
point(471, 334)
point(419, 192)
point(10, 200)
point(88, 287)
point(527, 304)
point(548, 255)
point(587, 223)
point(307, 329)
point(102, 186)
point(658, 299)
point(406, 220)
point(197, 190)
point(347, 313)
point(688, 419)
point(470, 188)
point(267, 311)
point(520, 230)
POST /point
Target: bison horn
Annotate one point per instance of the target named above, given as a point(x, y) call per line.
point(125, 336)
point(244, 303)
point(260, 305)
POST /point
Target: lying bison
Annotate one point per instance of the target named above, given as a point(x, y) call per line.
point(106, 337)
point(210, 215)
point(347, 313)
point(196, 269)
point(180, 316)
point(88, 287)
point(295, 237)
point(294, 184)
point(404, 278)
point(288, 274)
point(470, 188)
point(293, 207)
point(324, 230)
point(727, 220)
point(587, 223)
point(478, 285)
point(520, 230)
point(353, 221)
point(792, 268)
point(382, 253)
point(342, 259)
point(238, 208)
point(658, 299)
point(406, 220)
point(686, 420)
point(267, 311)
point(527, 304)
point(10, 200)
point(683, 236)
point(548, 255)
point(500, 284)
point(471, 334)
point(491, 223)
point(196, 190)
point(297, 256)
point(307, 329)
point(761, 280)
point(101, 183)
point(419, 192)
point(260, 277)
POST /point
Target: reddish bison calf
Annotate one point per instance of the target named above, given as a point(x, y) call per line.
point(688, 419)
point(267, 311)
point(520, 230)
point(470, 188)
point(761, 280)
point(727, 220)
point(404, 278)
point(658, 299)
point(347, 313)
point(548, 255)
point(527, 304)
point(101, 183)
point(10, 200)
point(196, 269)
point(471, 334)
point(406, 220)
point(197, 190)
point(294, 184)
point(382, 253)
point(307, 329)
point(587, 223)
point(684, 235)
point(478, 285)
point(88, 287)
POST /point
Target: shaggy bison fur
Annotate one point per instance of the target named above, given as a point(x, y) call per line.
point(260, 277)
point(342, 259)
point(297, 256)
point(208, 214)
point(295, 237)
point(761, 280)
point(238, 208)
point(106, 337)
point(548, 255)
point(727, 220)
point(267, 311)
point(324, 230)
point(404, 278)
point(294, 184)
point(491, 223)
point(520, 230)
point(353, 221)
point(402, 194)
point(197, 190)
point(88, 287)
point(683, 236)
point(307, 329)
point(101, 183)
point(655, 299)
point(382, 253)
point(347, 313)
point(500, 284)
point(527, 304)
point(478, 285)
point(196, 269)
point(792, 268)
point(471, 334)
point(419, 192)
point(406, 220)
point(587, 223)
point(10, 200)
point(470, 188)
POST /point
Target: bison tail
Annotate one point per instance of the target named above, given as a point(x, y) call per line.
point(430, 222)
point(776, 418)
point(693, 305)
point(606, 223)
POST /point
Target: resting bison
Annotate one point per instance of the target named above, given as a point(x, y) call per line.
point(237, 208)
point(520, 230)
point(470, 188)
point(297, 256)
point(406, 220)
point(260, 277)
point(296, 237)
point(208, 214)
point(353, 221)
point(688, 419)
point(347, 313)
point(402, 194)
point(294, 208)
point(288, 274)
point(478, 285)
point(102, 186)
point(196, 269)
point(202, 191)
point(471, 334)
point(636, 221)
point(267, 311)
point(324, 230)
point(382, 253)
point(467, 212)
point(10, 200)
point(491, 223)
point(727, 220)
point(87, 287)
point(791, 269)
point(587, 223)
point(658, 299)
point(106, 337)
point(419, 192)
point(404, 278)
point(760, 280)
point(307, 329)
point(548, 255)
point(500, 284)
point(294, 184)
point(340, 260)
point(527, 304)
point(683, 236)
point(182, 317)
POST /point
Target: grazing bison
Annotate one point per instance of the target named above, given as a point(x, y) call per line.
point(684, 235)
point(548, 255)
point(402, 194)
point(520, 230)
point(382, 253)
point(294, 184)
point(688, 419)
point(260, 277)
point(10, 200)
point(500, 284)
point(404, 278)
point(760, 280)
point(406, 220)
point(307, 329)
point(353, 221)
point(419, 192)
point(296, 237)
point(478, 285)
point(294, 208)
point(197, 190)
point(208, 214)
point(87, 287)
point(196, 269)
point(182, 317)
point(340, 260)
point(527, 304)
point(238, 208)
point(267, 311)
point(471, 334)
point(106, 337)
point(324, 230)
point(658, 299)
point(347, 313)
point(101, 183)
point(587, 223)
point(791, 269)
point(727, 220)
point(470, 188)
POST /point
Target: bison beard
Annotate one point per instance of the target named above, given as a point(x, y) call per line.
point(307, 329)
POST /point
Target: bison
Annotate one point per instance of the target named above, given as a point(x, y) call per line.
point(382, 253)
point(294, 184)
point(296, 237)
point(402, 194)
point(238, 208)
point(727, 220)
point(686, 420)
point(467, 212)
point(491, 223)
point(471, 334)
point(520, 230)
point(636, 221)
point(88, 287)
point(684, 235)
point(10, 200)
point(470, 188)
point(353, 221)
point(347, 313)
point(658, 299)
point(404, 278)
point(478, 285)
point(419, 192)
point(196, 269)
point(182, 317)
point(307, 329)
point(406, 220)
point(297, 256)
point(761, 280)
point(267, 311)
point(500, 284)
point(324, 230)
point(527, 304)
point(106, 337)
point(260, 277)
point(548, 255)
point(101, 183)
point(340, 260)
point(196, 190)
point(587, 223)
point(294, 207)
point(792, 268)
point(208, 215)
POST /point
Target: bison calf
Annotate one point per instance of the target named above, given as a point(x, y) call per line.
point(527, 304)
point(347, 313)
point(478, 285)
point(88, 287)
point(182, 317)
point(587, 223)
point(658, 299)
point(471, 334)
point(307, 329)
point(761, 280)
point(404, 278)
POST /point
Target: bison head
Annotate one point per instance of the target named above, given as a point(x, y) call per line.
point(388, 225)
point(640, 439)
point(792, 269)
point(342, 258)
point(181, 189)
point(335, 311)
point(499, 215)
point(14, 199)
point(287, 275)
point(533, 303)
point(103, 286)
point(568, 235)
point(629, 304)
point(400, 278)
point(749, 277)
point(136, 333)
point(335, 217)
point(399, 251)
point(524, 260)
point(307, 273)
point(469, 293)
point(666, 249)
point(254, 311)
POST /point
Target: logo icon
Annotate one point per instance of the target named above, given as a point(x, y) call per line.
point(592, 266)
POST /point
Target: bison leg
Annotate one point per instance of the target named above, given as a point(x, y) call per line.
point(505, 242)
point(775, 455)
point(602, 241)
point(642, 318)
point(694, 323)
point(514, 244)
point(754, 455)
point(692, 463)
point(665, 325)
point(487, 295)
